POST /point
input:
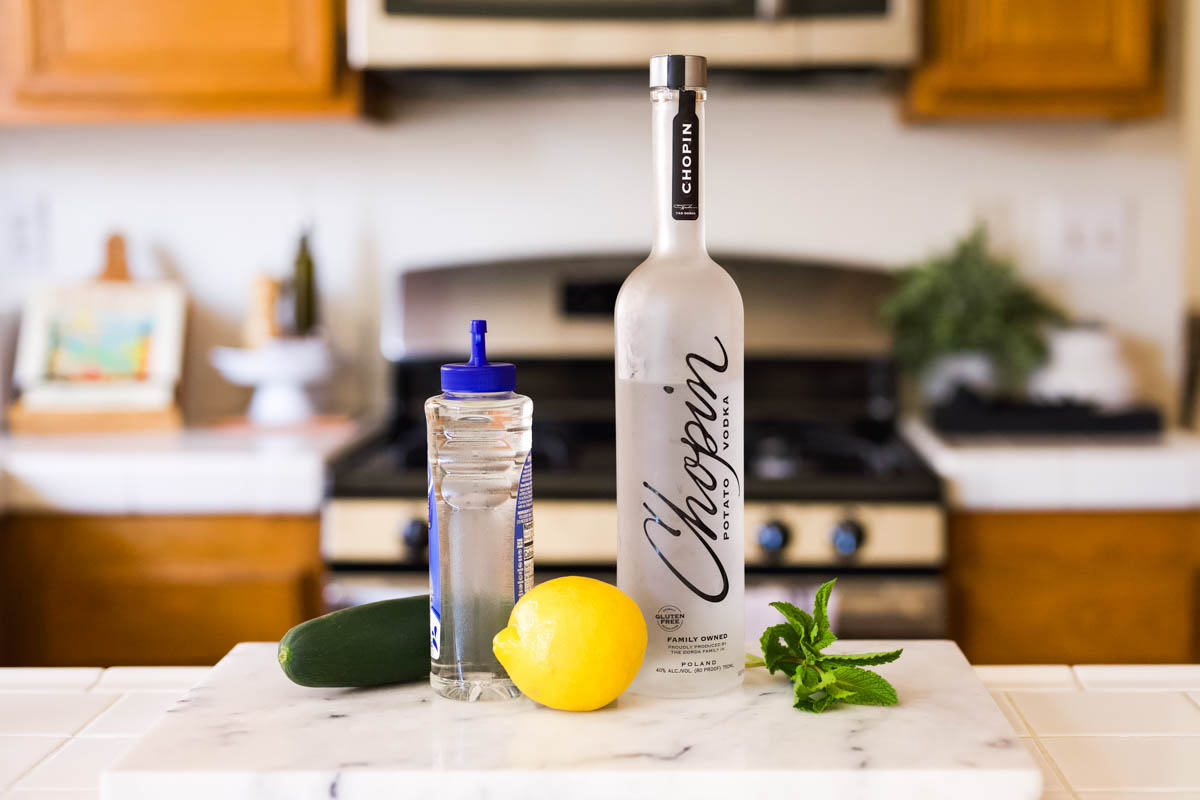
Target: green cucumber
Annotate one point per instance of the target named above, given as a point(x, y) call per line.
point(368, 645)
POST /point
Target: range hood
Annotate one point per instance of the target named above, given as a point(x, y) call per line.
point(579, 34)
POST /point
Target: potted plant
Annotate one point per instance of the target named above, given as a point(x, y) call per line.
point(964, 318)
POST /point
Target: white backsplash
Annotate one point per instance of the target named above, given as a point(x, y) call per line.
point(543, 168)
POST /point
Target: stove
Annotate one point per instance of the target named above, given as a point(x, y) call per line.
point(831, 488)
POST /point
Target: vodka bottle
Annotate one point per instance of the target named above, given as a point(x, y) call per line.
point(480, 521)
point(679, 350)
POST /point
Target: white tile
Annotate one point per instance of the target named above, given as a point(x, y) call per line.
point(51, 794)
point(1010, 713)
point(1003, 479)
point(193, 482)
point(19, 754)
point(134, 679)
point(27, 679)
point(77, 765)
point(1139, 677)
point(1036, 676)
point(132, 715)
point(1127, 762)
point(1050, 779)
point(49, 713)
point(81, 483)
point(1108, 713)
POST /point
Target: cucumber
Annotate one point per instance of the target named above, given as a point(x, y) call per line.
point(368, 645)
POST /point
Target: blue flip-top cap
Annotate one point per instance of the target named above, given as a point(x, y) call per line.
point(478, 374)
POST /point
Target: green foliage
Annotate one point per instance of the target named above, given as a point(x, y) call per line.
point(818, 680)
point(969, 300)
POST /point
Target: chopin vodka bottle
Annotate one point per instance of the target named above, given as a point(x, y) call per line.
point(679, 343)
point(480, 521)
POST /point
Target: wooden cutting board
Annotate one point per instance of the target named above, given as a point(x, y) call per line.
point(246, 732)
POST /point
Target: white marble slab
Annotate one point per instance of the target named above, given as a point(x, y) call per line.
point(998, 474)
point(247, 732)
point(191, 471)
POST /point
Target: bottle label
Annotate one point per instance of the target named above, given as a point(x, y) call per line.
point(685, 155)
point(680, 516)
point(523, 533)
point(435, 579)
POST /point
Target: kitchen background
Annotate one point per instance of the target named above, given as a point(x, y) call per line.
point(502, 167)
point(824, 164)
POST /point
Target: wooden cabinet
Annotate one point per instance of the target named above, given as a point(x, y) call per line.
point(1039, 58)
point(1076, 587)
point(151, 590)
point(129, 59)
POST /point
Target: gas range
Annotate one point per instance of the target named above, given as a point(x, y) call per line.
point(827, 483)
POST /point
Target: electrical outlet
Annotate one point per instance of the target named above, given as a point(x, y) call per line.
point(1083, 234)
point(24, 233)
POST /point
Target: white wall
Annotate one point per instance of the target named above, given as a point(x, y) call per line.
point(546, 166)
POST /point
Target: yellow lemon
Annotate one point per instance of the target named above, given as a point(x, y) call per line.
point(573, 643)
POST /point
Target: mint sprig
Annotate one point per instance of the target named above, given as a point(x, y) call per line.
point(820, 680)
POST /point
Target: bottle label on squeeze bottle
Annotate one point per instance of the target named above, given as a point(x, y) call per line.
point(435, 579)
point(523, 534)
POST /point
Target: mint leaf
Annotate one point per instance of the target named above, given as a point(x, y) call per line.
point(809, 677)
point(821, 611)
point(860, 659)
point(774, 650)
point(864, 687)
point(813, 700)
point(753, 661)
point(798, 619)
point(824, 641)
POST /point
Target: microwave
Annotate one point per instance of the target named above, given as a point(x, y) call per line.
point(608, 34)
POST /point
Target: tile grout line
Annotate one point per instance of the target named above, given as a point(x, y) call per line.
point(1054, 766)
point(66, 741)
point(1040, 747)
point(1075, 677)
point(22, 775)
point(96, 682)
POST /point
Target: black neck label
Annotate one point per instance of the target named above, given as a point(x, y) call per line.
point(685, 157)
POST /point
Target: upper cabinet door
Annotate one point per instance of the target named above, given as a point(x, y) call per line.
point(174, 49)
point(1039, 58)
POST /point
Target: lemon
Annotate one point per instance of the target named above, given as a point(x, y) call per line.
point(573, 643)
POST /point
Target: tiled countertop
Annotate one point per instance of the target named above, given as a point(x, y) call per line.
point(60, 727)
point(1020, 474)
point(1098, 732)
point(220, 470)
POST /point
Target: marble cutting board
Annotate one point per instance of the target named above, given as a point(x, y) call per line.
point(246, 732)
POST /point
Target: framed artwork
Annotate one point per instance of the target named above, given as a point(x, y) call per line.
point(103, 346)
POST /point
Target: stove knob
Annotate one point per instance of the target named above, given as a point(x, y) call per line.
point(848, 537)
point(773, 537)
point(416, 538)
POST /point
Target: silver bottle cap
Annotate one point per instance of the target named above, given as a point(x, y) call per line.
point(678, 72)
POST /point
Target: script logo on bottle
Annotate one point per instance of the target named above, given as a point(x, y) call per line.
point(706, 512)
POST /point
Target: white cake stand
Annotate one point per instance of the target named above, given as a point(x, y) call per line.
point(280, 372)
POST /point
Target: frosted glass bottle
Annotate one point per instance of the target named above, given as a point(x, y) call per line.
point(480, 521)
point(679, 375)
